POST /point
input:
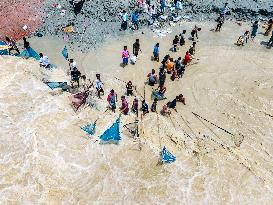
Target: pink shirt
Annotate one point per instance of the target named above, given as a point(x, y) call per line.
point(125, 54)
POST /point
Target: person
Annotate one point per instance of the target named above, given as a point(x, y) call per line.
point(162, 89)
point(135, 106)
point(179, 5)
point(165, 60)
point(12, 45)
point(172, 104)
point(165, 111)
point(112, 98)
point(75, 77)
point(99, 85)
point(270, 42)
point(156, 52)
point(175, 43)
point(182, 38)
point(72, 64)
point(129, 88)
point(269, 27)
point(136, 48)
point(44, 62)
point(124, 23)
point(152, 10)
point(174, 75)
point(153, 107)
point(243, 39)
point(86, 84)
point(148, 2)
point(152, 78)
point(255, 27)
point(220, 22)
point(192, 49)
point(162, 77)
point(194, 32)
point(124, 109)
point(187, 58)
point(26, 43)
point(135, 17)
point(125, 56)
point(170, 66)
point(224, 10)
point(162, 6)
point(181, 99)
point(178, 67)
point(144, 107)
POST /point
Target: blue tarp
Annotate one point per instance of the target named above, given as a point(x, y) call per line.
point(3, 52)
point(65, 53)
point(112, 134)
point(54, 85)
point(167, 157)
point(29, 53)
point(90, 128)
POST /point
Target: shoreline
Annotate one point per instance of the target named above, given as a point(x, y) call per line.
point(53, 162)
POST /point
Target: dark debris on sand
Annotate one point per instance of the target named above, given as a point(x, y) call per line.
point(95, 20)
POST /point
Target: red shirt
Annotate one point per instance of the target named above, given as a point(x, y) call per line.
point(187, 59)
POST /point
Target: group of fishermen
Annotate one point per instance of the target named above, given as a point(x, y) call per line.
point(175, 68)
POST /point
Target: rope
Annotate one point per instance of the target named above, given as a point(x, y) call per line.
point(198, 116)
point(159, 136)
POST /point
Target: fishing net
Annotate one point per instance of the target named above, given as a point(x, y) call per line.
point(167, 157)
point(78, 100)
point(19, 18)
point(65, 53)
point(112, 134)
point(157, 95)
point(90, 128)
point(54, 85)
point(29, 53)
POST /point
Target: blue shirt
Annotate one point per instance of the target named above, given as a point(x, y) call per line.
point(156, 49)
point(135, 17)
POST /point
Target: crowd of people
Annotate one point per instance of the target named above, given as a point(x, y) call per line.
point(175, 68)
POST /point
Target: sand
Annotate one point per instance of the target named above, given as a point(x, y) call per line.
point(47, 159)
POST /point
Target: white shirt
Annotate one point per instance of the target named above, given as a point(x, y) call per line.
point(44, 61)
point(72, 65)
point(98, 84)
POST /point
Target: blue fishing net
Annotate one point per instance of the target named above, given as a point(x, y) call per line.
point(29, 53)
point(65, 53)
point(157, 95)
point(112, 134)
point(54, 85)
point(167, 157)
point(3, 52)
point(90, 128)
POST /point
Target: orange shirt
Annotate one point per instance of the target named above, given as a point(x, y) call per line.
point(170, 66)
